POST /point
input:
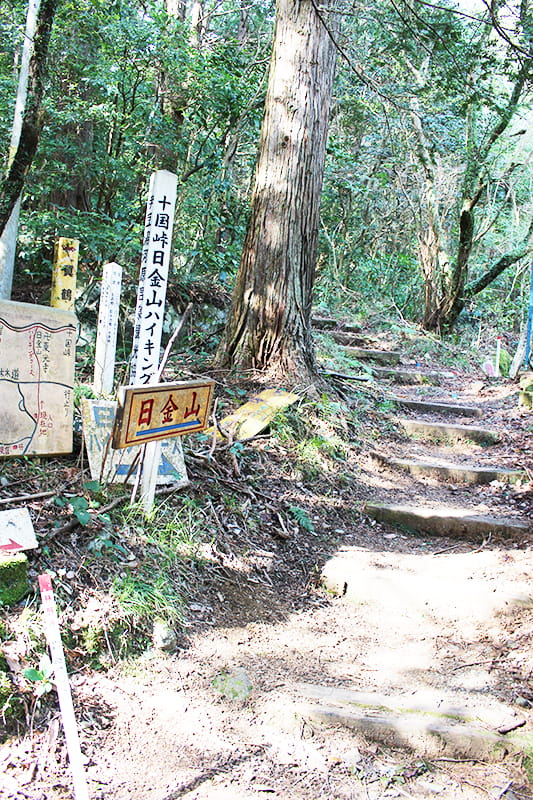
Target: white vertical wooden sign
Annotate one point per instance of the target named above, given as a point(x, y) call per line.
point(153, 278)
point(151, 294)
point(106, 334)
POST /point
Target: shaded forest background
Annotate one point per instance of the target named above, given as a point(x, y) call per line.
point(426, 206)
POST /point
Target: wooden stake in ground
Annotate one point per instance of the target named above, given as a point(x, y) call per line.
point(53, 636)
point(106, 334)
point(64, 273)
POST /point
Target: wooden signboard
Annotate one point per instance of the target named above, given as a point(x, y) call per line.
point(119, 466)
point(64, 272)
point(16, 531)
point(37, 351)
point(151, 413)
point(255, 415)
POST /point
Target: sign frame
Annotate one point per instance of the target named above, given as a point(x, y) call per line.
point(133, 420)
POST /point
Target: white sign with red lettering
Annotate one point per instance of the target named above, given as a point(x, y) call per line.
point(16, 531)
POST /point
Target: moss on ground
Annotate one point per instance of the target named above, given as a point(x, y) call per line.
point(13, 579)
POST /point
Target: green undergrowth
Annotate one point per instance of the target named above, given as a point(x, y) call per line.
point(155, 557)
point(334, 357)
point(141, 571)
point(472, 343)
point(318, 435)
point(122, 572)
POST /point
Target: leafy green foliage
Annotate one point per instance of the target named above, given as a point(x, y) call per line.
point(78, 506)
point(130, 89)
point(131, 92)
point(42, 677)
point(302, 518)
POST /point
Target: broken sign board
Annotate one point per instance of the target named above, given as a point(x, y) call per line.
point(161, 411)
point(16, 531)
point(37, 351)
point(254, 416)
point(119, 466)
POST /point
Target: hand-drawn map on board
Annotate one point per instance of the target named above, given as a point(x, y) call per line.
point(37, 353)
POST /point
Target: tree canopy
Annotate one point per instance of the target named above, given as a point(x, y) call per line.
point(426, 195)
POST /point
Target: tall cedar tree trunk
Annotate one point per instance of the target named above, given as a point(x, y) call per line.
point(269, 323)
point(32, 122)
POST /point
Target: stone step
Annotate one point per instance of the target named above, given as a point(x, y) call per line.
point(330, 323)
point(443, 432)
point(379, 356)
point(432, 726)
point(352, 338)
point(409, 376)
point(323, 323)
point(446, 470)
point(454, 522)
point(434, 407)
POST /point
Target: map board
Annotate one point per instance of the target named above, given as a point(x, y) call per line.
point(37, 353)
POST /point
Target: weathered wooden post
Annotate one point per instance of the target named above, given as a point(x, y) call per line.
point(106, 334)
point(64, 273)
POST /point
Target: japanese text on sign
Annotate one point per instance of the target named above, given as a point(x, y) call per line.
point(153, 278)
point(64, 273)
point(162, 411)
point(37, 351)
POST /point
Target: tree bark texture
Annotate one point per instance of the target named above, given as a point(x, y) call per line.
point(269, 323)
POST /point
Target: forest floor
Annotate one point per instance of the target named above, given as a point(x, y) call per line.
point(164, 725)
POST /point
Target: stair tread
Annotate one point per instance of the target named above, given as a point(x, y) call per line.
point(441, 462)
point(439, 406)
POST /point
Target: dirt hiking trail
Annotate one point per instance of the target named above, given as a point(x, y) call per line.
point(384, 654)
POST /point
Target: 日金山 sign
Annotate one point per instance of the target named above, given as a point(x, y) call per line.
point(120, 466)
point(150, 413)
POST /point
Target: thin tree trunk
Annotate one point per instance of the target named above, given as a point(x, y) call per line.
point(8, 239)
point(32, 122)
point(451, 276)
